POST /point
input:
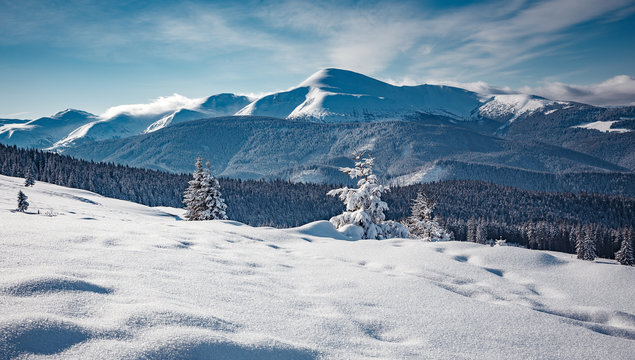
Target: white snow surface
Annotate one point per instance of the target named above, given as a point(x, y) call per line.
point(603, 126)
point(94, 277)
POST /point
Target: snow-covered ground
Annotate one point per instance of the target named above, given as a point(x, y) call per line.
point(93, 277)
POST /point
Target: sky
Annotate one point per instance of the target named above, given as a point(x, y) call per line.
point(93, 55)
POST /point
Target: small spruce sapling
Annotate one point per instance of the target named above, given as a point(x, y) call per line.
point(364, 207)
point(23, 204)
point(421, 225)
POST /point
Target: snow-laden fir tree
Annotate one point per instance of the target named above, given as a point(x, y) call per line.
point(585, 245)
point(421, 225)
point(215, 207)
point(480, 235)
point(23, 205)
point(29, 180)
point(203, 200)
point(364, 207)
point(625, 255)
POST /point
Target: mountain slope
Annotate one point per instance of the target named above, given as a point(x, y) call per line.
point(306, 151)
point(565, 127)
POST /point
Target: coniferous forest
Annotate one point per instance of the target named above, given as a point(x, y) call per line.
point(472, 210)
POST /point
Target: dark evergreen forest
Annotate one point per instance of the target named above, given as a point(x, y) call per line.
point(472, 210)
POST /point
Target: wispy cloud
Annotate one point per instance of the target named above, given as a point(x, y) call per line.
point(499, 41)
point(365, 36)
point(14, 115)
point(618, 90)
point(158, 106)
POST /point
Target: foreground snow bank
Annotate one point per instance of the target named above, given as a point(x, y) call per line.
point(93, 277)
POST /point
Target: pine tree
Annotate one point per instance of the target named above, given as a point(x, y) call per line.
point(23, 205)
point(29, 180)
point(625, 255)
point(585, 246)
point(471, 230)
point(215, 207)
point(480, 235)
point(194, 205)
point(202, 199)
point(364, 207)
point(421, 225)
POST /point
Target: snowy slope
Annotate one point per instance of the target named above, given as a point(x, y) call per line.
point(104, 278)
point(334, 95)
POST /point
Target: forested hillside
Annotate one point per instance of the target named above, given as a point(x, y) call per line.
point(472, 210)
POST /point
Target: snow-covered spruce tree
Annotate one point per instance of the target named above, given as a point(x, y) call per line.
point(23, 205)
point(471, 230)
point(625, 255)
point(194, 205)
point(215, 207)
point(585, 245)
point(480, 236)
point(364, 207)
point(421, 225)
point(202, 198)
point(29, 180)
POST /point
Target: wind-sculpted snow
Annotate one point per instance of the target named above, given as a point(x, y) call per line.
point(135, 283)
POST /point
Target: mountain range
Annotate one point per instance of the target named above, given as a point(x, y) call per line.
point(307, 132)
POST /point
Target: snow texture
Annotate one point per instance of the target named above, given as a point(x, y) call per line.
point(93, 277)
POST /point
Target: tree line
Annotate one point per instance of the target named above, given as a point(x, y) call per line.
point(471, 210)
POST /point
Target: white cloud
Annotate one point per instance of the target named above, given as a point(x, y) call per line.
point(13, 115)
point(161, 105)
point(618, 90)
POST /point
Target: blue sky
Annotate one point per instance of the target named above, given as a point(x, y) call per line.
point(93, 55)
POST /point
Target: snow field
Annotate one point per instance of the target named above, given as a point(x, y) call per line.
point(93, 277)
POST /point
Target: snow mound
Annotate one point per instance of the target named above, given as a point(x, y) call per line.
point(104, 278)
point(46, 285)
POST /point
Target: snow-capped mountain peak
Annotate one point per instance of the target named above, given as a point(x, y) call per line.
point(335, 95)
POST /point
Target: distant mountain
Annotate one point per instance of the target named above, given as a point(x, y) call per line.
point(213, 106)
point(419, 133)
point(129, 124)
point(333, 95)
point(43, 132)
